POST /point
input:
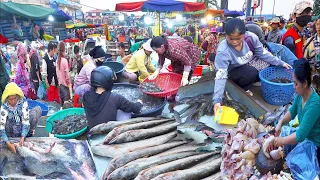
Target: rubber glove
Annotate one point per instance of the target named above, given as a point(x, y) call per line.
point(185, 77)
point(70, 91)
point(154, 75)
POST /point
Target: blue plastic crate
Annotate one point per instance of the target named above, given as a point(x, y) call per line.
point(276, 93)
point(43, 106)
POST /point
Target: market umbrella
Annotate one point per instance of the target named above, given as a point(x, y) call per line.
point(160, 6)
point(229, 13)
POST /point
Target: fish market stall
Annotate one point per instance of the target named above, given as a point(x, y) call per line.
point(48, 158)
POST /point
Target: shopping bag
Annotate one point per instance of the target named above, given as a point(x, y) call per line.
point(303, 161)
point(41, 91)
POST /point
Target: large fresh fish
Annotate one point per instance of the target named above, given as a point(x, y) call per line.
point(120, 149)
point(216, 176)
point(211, 166)
point(131, 170)
point(108, 126)
point(183, 148)
point(139, 134)
point(121, 129)
point(171, 166)
point(131, 156)
point(2, 164)
point(39, 164)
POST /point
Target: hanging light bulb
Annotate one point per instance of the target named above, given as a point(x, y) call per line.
point(209, 17)
point(166, 20)
point(203, 21)
point(50, 18)
point(170, 25)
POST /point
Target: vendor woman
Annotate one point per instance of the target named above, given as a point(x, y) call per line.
point(306, 105)
point(140, 64)
point(232, 59)
point(16, 120)
point(184, 56)
point(82, 80)
point(100, 104)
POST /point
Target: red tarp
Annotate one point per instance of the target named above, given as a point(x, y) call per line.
point(130, 7)
point(193, 6)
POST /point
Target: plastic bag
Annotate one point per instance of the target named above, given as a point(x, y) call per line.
point(303, 161)
point(41, 91)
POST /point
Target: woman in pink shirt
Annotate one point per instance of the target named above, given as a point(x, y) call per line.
point(62, 69)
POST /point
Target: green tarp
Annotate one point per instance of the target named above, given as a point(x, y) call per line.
point(32, 12)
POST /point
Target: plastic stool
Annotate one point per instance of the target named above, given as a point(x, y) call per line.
point(76, 101)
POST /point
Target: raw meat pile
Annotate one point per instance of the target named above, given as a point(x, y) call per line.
point(240, 148)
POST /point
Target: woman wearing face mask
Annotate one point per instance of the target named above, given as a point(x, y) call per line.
point(233, 56)
point(82, 80)
point(22, 75)
point(294, 37)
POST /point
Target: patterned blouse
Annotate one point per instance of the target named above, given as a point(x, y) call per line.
point(184, 56)
point(14, 121)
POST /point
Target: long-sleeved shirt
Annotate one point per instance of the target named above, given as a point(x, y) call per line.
point(84, 76)
point(228, 58)
point(312, 50)
point(274, 36)
point(140, 62)
point(14, 121)
point(44, 69)
point(63, 72)
point(184, 56)
point(308, 117)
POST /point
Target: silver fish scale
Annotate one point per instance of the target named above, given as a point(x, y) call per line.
point(133, 94)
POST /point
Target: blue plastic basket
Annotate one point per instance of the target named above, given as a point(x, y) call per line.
point(276, 93)
point(43, 106)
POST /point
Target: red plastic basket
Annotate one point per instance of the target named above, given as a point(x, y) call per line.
point(168, 82)
point(197, 71)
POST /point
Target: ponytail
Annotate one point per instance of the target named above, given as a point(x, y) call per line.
point(61, 50)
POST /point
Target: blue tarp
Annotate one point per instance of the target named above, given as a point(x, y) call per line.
point(163, 5)
point(233, 13)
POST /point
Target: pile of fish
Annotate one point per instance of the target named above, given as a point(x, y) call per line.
point(195, 107)
point(241, 147)
point(272, 117)
point(47, 158)
point(269, 176)
point(69, 124)
point(150, 87)
point(150, 148)
point(281, 80)
point(133, 94)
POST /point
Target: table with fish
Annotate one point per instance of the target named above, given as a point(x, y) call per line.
point(47, 158)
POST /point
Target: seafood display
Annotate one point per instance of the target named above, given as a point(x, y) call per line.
point(152, 148)
point(133, 94)
point(281, 80)
point(47, 158)
point(196, 107)
point(150, 87)
point(275, 116)
point(69, 124)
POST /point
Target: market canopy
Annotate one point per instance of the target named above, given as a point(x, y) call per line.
point(232, 13)
point(160, 6)
point(28, 11)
